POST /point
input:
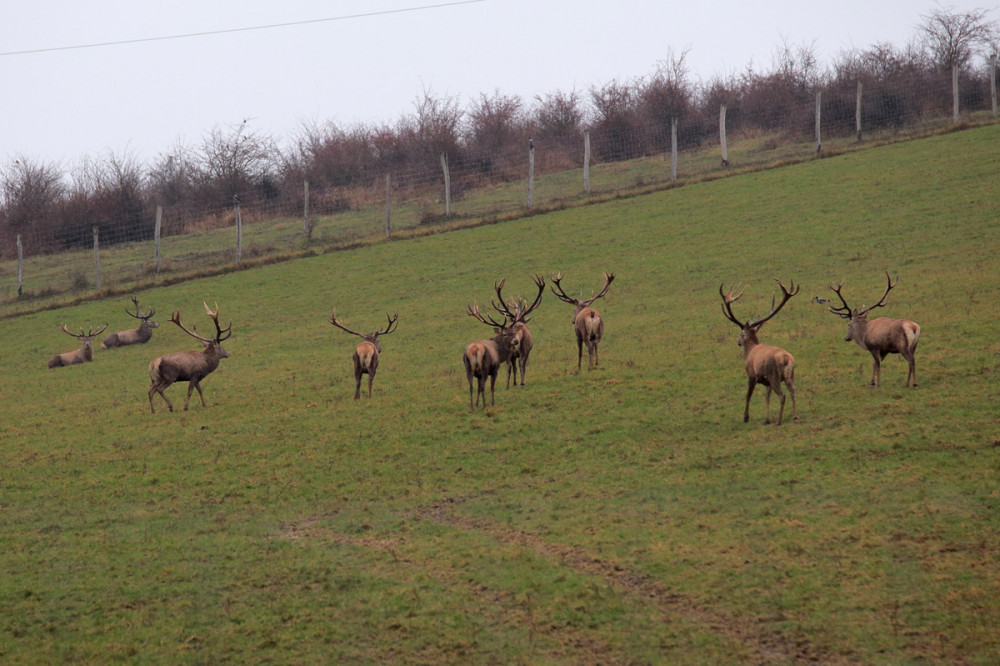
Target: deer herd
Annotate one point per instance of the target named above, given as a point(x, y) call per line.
point(511, 343)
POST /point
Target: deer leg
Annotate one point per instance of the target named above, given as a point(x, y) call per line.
point(876, 370)
point(511, 367)
point(579, 354)
point(523, 360)
point(912, 372)
point(371, 378)
point(790, 383)
point(767, 406)
point(751, 383)
point(493, 383)
point(158, 388)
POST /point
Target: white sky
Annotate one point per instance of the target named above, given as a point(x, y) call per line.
point(142, 99)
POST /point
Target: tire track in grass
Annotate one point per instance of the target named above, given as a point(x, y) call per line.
point(765, 645)
point(565, 644)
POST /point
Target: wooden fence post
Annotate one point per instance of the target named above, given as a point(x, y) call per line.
point(531, 171)
point(447, 185)
point(586, 161)
point(388, 204)
point(156, 236)
point(673, 150)
point(857, 112)
point(97, 259)
point(993, 82)
point(239, 229)
point(954, 93)
point(306, 227)
point(819, 106)
point(722, 135)
point(20, 264)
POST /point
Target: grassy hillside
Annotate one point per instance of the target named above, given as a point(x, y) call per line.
point(616, 516)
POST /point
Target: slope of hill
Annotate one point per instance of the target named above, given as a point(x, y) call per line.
point(621, 515)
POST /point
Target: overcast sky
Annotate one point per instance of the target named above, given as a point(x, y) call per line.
point(370, 61)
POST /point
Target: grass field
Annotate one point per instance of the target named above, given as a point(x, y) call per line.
point(624, 515)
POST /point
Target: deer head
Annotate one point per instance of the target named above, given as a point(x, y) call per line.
point(857, 318)
point(749, 328)
point(368, 337)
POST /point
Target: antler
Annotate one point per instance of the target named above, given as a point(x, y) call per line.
point(138, 311)
point(845, 309)
point(91, 333)
point(215, 318)
point(882, 301)
point(786, 294)
point(219, 331)
point(608, 279)
point(339, 324)
point(517, 309)
point(473, 311)
point(727, 302)
point(391, 326)
point(561, 295)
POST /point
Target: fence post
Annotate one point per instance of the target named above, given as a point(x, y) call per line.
point(673, 150)
point(156, 236)
point(531, 171)
point(857, 112)
point(447, 185)
point(97, 259)
point(819, 106)
point(954, 93)
point(388, 204)
point(239, 229)
point(993, 82)
point(722, 135)
point(586, 161)
point(306, 227)
point(20, 264)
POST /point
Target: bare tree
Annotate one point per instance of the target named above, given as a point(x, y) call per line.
point(667, 96)
point(951, 38)
point(30, 192)
point(236, 161)
point(495, 127)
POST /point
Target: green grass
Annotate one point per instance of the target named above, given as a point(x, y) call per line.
point(618, 516)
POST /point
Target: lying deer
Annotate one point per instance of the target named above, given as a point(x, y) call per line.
point(135, 336)
point(522, 350)
point(367, 351)
point(881, 336)
point(587, 322)
point(765, 364)
point(84, 354)
point(189, 366)
point(482, 359)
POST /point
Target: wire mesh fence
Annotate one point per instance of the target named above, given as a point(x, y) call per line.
point(153, 244)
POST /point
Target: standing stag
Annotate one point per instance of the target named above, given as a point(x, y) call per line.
point(587, 321)
point(135, 336)
point(765, 364)
point(482, 358)
point(189, 366)
point(512, 311)
point(881, 336)
point(84, 354)
point(367, 351)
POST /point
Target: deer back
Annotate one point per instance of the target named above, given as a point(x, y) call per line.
point(366, 354)
point(188, 365)
point(885, 334)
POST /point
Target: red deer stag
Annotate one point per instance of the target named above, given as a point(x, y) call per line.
point(512, 311)
point(135, 336)
point(189, 366)
point(587, 321)
point(765, 364)
point(483, 358)
point(881, 336)
point(84, 354)
point(367, 351)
